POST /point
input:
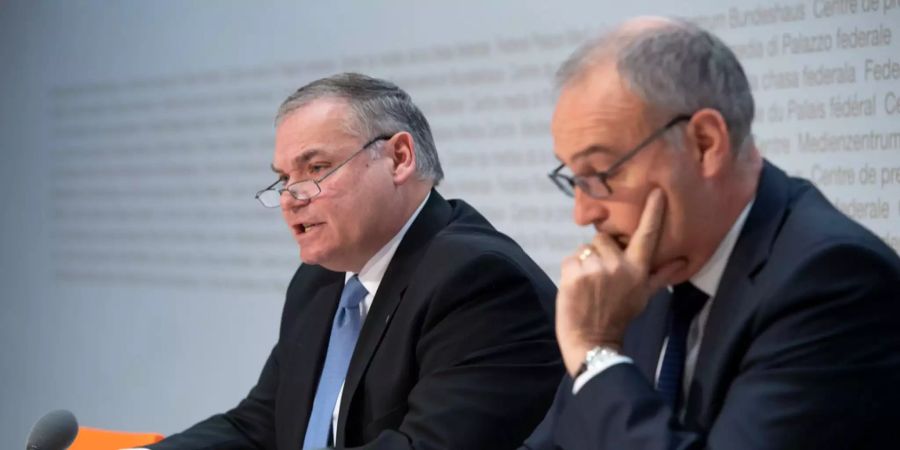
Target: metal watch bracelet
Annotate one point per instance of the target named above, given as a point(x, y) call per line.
point(594, 357)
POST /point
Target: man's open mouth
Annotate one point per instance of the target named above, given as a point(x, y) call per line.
point(305, 227)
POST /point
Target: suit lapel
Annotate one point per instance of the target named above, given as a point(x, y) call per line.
point(433, 217)
point(735, 301)
point(305, 365)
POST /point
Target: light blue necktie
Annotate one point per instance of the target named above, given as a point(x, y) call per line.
point(344, 332)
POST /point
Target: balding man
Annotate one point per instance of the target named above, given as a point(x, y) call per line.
point(721, 304)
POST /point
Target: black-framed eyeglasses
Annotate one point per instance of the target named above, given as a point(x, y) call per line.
point(305, 190)
point(595, 184)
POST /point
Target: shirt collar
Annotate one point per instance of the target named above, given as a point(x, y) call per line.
point(373, 271)
point(709, 276)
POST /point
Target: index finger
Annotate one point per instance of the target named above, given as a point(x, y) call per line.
point(646, 238)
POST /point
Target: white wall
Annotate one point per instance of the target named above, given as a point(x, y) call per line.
point(141, 284)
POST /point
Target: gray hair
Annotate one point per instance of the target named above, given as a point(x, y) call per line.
point(675, 68)
point(378, 107)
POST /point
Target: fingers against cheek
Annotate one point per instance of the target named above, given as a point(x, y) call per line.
point(644, 242)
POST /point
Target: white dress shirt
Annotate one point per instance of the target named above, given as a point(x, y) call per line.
point(707, 280)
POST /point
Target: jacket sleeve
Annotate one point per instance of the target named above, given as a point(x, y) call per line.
point(250, 425)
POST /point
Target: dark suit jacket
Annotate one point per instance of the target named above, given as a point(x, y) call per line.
point(801, 348)
point(456, 352)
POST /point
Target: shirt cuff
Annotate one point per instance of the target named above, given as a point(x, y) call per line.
point(595, 369)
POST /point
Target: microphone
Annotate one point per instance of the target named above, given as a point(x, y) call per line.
point(55, 431)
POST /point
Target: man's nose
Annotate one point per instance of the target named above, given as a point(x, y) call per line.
point(589, 210)
point(289, 202)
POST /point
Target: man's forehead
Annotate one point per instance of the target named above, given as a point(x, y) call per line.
point(320, 119)
point(598, 87)
point(594, 116)
point(314, 130)
point(320, 109)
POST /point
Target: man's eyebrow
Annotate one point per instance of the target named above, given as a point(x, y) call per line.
point(590, 150)
point(307, 155)
point(300, 160)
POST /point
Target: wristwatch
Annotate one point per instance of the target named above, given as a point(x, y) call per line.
point(596, 357)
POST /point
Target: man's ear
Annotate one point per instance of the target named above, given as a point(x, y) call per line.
point(401, 149)
point(708, 141)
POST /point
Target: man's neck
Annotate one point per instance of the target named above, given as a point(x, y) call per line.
point(374, 268)
point(412, 200)
point(731, 205)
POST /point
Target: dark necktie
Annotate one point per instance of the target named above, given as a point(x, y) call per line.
point(344, 332)
point(686, 302)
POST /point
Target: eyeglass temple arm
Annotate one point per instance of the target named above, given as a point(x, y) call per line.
point(646, 142)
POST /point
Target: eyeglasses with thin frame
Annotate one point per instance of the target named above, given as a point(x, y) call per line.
point(305, 190)
point(596, 184)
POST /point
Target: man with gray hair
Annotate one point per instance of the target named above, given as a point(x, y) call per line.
point(412, 322)
point(721, 303)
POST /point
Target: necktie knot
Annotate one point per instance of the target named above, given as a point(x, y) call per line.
point(687, 300)
point(354, 293)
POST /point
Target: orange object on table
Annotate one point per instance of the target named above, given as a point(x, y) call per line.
point(97, 439)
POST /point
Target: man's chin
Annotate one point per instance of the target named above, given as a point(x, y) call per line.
point(310, 258)
point(326, 261)
point(677, 275)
